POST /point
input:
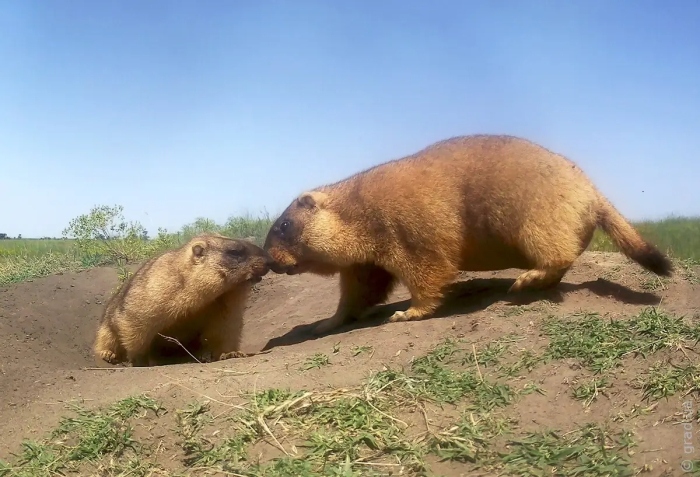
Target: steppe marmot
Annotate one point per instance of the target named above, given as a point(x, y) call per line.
point(470, 203)
point(196, 292)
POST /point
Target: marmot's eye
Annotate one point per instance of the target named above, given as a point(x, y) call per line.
point(284, 226)
point(236, 252)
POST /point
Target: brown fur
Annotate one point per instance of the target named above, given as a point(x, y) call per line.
point(471, 203)
point(196, 293)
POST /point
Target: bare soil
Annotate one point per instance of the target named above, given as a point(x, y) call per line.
point(47, 327)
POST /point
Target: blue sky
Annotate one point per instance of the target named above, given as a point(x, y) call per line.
point(181, 109)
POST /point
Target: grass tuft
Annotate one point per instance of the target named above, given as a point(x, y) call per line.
point(666, 379)
point(469, 440)
point(85, 438)
point(318, 360)
point(590, 450)
point(601, 345)
point(589, 390)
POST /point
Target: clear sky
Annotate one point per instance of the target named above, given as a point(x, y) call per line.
point(181, 109)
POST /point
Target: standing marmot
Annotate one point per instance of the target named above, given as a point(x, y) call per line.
point(472, 203)
point(196, 291)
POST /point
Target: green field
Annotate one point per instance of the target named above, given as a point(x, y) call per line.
point(34, 247)
point(23, 259)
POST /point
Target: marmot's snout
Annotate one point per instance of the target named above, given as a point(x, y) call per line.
point(263, 263)
point(277, 267)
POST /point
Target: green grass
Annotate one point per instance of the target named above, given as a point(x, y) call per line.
point(24, 259)
point(666, 379)
point(382, 424)
point(318, 360)
point(19, 268)
point(84, 440)
point(590, 389)
point(34, 247)
point(601, 345)
point(360, 430)
point(358, 350)
point(588, 451)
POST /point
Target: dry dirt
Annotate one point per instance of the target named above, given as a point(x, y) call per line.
point(47, 327)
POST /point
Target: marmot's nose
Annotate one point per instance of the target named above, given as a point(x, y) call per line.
point(275, 266)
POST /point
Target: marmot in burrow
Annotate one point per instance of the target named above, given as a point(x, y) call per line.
point(197, 291)
point(471, 203)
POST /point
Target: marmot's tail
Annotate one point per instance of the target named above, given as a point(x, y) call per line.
point(630, 242)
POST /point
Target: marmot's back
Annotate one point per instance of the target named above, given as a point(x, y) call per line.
point(491, 184)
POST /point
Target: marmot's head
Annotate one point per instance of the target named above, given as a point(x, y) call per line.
point(235, 261)
point(304, 238)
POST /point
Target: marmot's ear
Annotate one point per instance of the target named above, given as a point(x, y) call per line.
point(311, 199)
point(198, 249)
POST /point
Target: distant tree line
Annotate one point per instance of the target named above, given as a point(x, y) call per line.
point(19, 237)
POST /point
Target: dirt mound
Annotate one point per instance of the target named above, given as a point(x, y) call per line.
point(47, 327)
point(49, 324)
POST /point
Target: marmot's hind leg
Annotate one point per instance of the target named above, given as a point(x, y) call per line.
point(553, 251)
point(539, 279)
